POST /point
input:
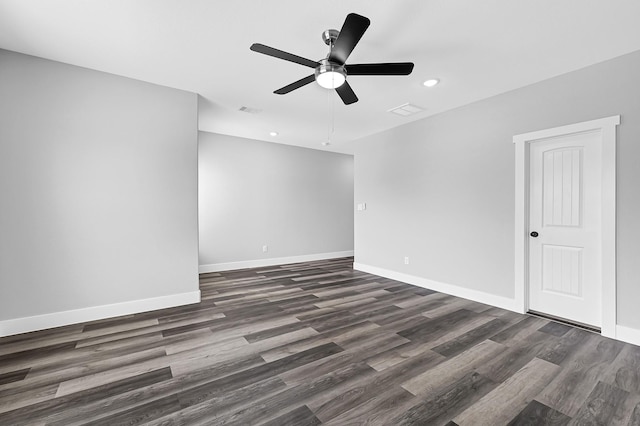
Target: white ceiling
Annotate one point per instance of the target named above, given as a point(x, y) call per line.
point(477, 48)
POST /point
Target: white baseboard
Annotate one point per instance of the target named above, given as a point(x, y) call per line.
point(628, 334)
point(58, 319)
point(454, 290)
point(258, 263)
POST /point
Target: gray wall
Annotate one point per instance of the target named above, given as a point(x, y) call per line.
point(441, 190)
point(98, 192)
point(297, 201)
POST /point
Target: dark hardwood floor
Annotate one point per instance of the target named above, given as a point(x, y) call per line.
point(318, 343)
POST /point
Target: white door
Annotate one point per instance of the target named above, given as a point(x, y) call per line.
point(565, 227)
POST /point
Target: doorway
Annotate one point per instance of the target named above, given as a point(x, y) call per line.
point(565, 223)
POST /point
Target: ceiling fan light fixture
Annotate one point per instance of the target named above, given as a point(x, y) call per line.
point(330, 75)
point(330, 79)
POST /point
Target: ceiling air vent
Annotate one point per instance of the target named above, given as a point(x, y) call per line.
point(249, 110)
point(406, 110)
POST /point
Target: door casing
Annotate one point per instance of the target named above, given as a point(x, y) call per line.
point(607, 128)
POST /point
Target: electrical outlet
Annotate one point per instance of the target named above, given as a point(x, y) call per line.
point(406, 260)
point(265, 248)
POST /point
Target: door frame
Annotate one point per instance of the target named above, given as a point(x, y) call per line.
point(522, 142)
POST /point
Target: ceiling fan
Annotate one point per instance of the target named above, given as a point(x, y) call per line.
point(332, 72)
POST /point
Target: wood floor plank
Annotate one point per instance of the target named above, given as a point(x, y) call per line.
point(219, 405)
point(520, 330)
point(266, 409)
point(469, 339)
point(365, 389)
point(435, 327)
point(209, 356)
point(537, 413)
point(156, 391)
point(294, 347)
point(424, 301)
point(566, 347)
point(376, 411)
point(555, 329)
point(511, 397)
point(76, 402)
point(453, 369)
point(127, 344)
point(33, 353)
point(79, 371)
point(412, 310)
point(514, 357)
point(600, 406)
point(300, 416)
point(124, 323)
point(451, 305)
point(624, 409)
point(35, 346)
point(16, 400)
point(261, 372)
point(457, 330)
point(625, 370)
point(635, 416)
point(274, 331)
point(444, 404)
point(14, 376)
point(573, 384)
point(318, 343)
point(140, 414)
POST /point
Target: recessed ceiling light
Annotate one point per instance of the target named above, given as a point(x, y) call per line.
point(431, 82)
point(273, 133)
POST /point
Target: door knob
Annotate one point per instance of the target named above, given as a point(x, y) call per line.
point(534, 234)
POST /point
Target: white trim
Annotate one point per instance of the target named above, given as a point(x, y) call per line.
point(454, 290)
point(58, 319)
point(628, 334)
point(258, 263)
point(609, 279)
point(607, 126)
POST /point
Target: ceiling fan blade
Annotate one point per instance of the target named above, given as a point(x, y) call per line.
point(296, 85)
point(347, 94)
point(352, 30)
point(266, 50)
point(395, 68)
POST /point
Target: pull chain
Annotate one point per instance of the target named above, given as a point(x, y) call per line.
point(331, 117)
